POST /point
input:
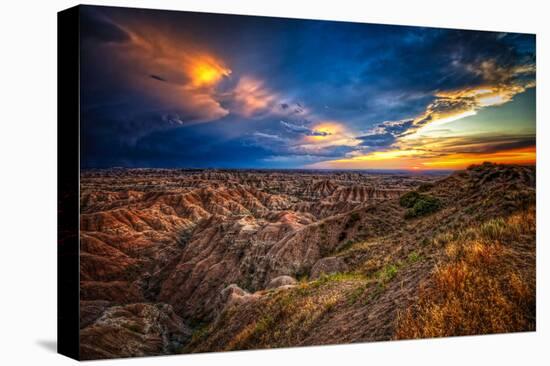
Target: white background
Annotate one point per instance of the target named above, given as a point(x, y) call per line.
point(28, 181)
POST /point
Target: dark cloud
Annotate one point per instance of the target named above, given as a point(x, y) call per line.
point(385, 134)
point(285, 146)
point(377, 140)
point(301, 129)
point(486, 144)
point(140, 94)
point(447, 59)
point(156, 77)
point(396, 128)
point(94, 26)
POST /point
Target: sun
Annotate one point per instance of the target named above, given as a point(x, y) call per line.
point(206, 74)
point(206, 71)
point(325, 131)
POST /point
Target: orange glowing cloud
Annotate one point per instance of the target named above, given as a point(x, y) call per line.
point(186, 75)
point(250, 97)
point(500, 86)
point(326, 134)
point(189, 76)
point(453, 106)
point(182, 75)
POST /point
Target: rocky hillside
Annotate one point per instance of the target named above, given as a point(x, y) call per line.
point(192, 261)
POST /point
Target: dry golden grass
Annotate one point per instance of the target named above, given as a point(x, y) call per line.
point(486, 283)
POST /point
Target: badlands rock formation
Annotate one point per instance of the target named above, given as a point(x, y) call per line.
point(189, 260)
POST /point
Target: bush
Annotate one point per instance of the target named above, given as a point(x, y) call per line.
point(387, 273)
point(409, 199)
point(414, 257)
point(424, 205)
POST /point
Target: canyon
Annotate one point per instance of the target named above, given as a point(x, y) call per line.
point(182, 260)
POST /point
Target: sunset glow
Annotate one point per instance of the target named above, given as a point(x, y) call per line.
point(412, 159)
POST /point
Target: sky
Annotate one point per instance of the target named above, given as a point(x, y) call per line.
point(197, 90)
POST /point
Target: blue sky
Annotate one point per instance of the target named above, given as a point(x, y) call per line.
point(177, 89)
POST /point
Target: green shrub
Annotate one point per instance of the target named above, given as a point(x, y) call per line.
point(414, 257)
point(387, 273)
point(409, 199)
point(264, 324)
point(424, 205)
point(356, 294)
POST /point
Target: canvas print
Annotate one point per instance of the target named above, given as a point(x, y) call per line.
point(256, 182)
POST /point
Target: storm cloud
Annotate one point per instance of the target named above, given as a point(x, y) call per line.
point(182, 89)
